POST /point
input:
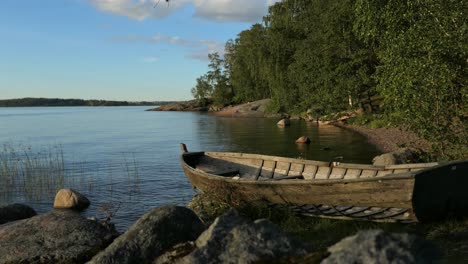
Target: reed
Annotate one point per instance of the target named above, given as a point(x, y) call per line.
point(34, 173)
point(38, 174)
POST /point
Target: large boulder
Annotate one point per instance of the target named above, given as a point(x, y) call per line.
point(400, 156)
point(153, 234)
point(377, 246)
point(15, 212)
point(61, 236)
point(234, 239)
point(70, 199)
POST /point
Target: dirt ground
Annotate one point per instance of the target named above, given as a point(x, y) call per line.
point(389, 139)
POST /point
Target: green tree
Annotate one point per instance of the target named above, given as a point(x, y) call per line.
point(246, 65)
point(222, 91)
point(422, 49)
point(202, 90)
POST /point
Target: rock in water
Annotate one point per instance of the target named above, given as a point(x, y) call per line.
point(15, 212)
point(284, 122)
point(234, 239)
point(153, 234)
point(379, 247)
point(61, 236)
point(70, 199)
point(303, 140)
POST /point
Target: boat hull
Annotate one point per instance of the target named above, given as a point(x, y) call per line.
point(403, 197)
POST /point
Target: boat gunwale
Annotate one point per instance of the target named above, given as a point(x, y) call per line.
point(319, 163)
point(396, 176)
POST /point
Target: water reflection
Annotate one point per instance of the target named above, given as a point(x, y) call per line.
point(263, 136)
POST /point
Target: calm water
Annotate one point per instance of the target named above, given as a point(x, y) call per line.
point(129, 158)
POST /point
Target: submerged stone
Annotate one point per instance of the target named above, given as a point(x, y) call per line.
point(303, 140)
point(284, 122)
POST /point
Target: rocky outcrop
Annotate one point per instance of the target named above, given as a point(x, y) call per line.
point(234, 239)
point(186, 106)
point(153, 234)
point(70, 199)
point(284, 122)
point(303, 140)
point(377, 246)
point(250, 109)
point(400, 156)
point(61, 236)
point(15, 212)
point(173, 234)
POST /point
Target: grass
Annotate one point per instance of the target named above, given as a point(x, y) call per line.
point(449, 236)
point(370, 120)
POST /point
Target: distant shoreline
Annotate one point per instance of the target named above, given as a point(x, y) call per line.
point(58, 102)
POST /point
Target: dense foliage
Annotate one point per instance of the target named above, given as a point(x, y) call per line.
point(25, 102)
point(328, 56)
point(422, 50)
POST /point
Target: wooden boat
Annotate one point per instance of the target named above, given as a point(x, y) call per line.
point(397, 193)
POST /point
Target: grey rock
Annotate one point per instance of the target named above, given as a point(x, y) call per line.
point(377, 246)
point(234, 239)
point(61, 236)
point(176, 252)
point(154, 233)
point(400, 156)
point(15, 212)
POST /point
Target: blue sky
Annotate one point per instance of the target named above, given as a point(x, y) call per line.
point(114, 49)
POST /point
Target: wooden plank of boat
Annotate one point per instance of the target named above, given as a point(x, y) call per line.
point(408, 192)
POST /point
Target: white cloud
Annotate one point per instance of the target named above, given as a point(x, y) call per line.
point(217, 10)
point(169, 39)
point(196, 49)
point(231, 10)
point(150, 59)
point(138, 9)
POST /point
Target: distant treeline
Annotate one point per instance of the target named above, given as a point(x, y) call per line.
point(327, 55)
point(25, 102)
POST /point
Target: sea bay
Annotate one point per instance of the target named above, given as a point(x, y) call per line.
point(126, 160)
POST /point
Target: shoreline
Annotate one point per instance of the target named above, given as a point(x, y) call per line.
point(384, 139)
point(388, 139)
